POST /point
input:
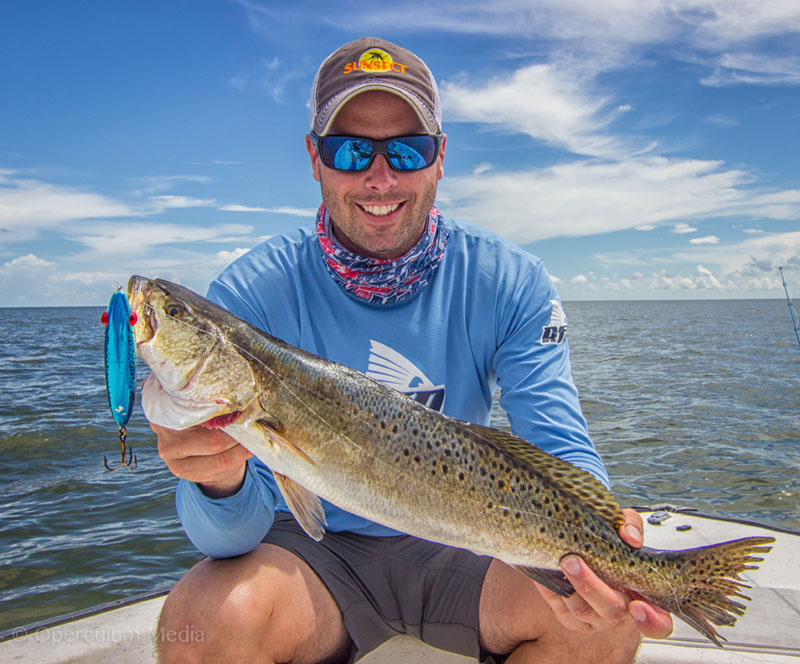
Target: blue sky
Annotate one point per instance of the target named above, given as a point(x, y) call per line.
point(647, 149)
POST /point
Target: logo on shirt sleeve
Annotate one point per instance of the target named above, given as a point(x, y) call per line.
point(389, 367)
point(556, 330)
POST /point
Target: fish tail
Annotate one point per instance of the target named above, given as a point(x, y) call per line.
point(705, 580)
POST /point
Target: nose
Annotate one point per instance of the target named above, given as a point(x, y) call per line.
point(380, 175)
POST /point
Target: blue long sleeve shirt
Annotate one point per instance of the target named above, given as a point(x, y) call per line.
point(489, 318)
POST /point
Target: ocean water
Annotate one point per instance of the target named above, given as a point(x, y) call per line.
point(691, 403)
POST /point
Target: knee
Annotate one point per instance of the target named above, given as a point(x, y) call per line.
point(202, 613)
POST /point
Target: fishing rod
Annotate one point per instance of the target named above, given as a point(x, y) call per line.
point(791, 308)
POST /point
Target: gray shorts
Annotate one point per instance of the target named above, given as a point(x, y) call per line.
point(386, 586)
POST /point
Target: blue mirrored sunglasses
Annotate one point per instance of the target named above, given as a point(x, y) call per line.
point(355, 153)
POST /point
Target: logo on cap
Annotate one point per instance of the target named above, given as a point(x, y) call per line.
point(375, 59)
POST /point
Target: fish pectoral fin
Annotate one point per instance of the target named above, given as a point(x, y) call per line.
point(550, 578)
point(305, 506)
point(272, 434)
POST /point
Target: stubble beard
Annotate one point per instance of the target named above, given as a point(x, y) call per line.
point(392, 243)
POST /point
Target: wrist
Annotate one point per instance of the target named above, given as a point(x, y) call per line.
point(226, 487)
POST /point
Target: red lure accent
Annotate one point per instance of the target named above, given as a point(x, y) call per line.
point(133, 318)
point(104, 318)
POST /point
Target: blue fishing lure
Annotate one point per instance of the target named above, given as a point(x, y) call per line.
point(120, 367)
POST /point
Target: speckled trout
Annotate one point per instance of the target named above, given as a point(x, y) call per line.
point(326, 430)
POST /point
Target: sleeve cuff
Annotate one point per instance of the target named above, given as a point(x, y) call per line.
point(230, 526)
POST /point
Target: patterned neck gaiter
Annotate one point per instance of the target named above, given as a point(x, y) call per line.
point(379, 280)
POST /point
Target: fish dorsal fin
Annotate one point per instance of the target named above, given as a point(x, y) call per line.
point(305, 506)
point(570, 479)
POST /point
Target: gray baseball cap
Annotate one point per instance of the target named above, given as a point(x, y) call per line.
point(371, 63)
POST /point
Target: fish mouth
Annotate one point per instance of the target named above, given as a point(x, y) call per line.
point(170, 410)
point(221, 421)
point(145, 327)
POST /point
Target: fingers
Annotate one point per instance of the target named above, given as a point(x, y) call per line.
point(212, 467)
point(595, 605)
point(204, 456)
point(652, 621)
point(632, 531)
point(593, 602)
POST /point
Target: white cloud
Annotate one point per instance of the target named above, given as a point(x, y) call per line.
point(161, 203)
point(225, 257)
point(91, 278)
point(684, 228)
point(702, 279)
point(27, 262)
point(719, 25)
point(242, 208)
point(292, 211)
point(133, 239)
point(269, 75)
point(722, 120)
point(764, 250)
point(579, 279)
point(708, 239)
point(734, 38)
point(587, 198)
point(546, 101)
point(754, 69)
point(157, 183)
point(28, 205)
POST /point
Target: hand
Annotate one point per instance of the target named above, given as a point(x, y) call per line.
point(208, 457)
point(595, 605)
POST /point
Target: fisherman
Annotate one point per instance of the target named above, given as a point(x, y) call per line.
point(442, 310)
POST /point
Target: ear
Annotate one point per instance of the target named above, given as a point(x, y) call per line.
point(440, 158)
point(315, 161)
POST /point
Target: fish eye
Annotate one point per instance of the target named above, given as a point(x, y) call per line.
point(173, 310)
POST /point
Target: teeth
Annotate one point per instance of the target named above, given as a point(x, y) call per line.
point(380, 210)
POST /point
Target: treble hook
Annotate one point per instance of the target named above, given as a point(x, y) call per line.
point(131, 456)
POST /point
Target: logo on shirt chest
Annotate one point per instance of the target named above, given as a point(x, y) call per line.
point(389, 367)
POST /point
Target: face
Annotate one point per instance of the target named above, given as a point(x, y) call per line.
point(378, 212)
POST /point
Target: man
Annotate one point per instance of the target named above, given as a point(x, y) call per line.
point(442, 310)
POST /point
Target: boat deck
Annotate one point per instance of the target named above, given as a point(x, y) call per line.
point(769, 632)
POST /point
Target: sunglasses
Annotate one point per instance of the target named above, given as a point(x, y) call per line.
point(356, 153)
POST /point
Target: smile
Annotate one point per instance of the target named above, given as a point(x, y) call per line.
point(380, 210)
